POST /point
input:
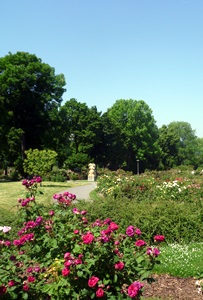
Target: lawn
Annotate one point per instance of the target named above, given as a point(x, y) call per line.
point(10, 192)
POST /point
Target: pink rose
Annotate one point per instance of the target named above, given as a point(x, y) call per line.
point(140, 243)
point(78, 261)
point(93, 281)
point(113, 226)
point(134, 288)
point(76, 231)
point(130, 230)
point(67, 256)
point(7, 243)
point(51, 213)
point(138, 231)
point(119, 265)
point(88, 238)
point(65, 272)
point(149, 251)
point(100, 293)
point(76, 211)
point(156, 252)
point(159, 238)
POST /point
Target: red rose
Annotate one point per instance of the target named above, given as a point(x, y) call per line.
point(100, 293)
point(65, 272)
point(159, 238)
point(93, 281)
point(119, 265)
point(26, 287)
point(88, 238)
point(31, 279)
point(140, 243)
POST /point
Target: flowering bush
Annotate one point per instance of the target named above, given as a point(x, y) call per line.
point(114, 184)
point(58, 254)
point(145, 187)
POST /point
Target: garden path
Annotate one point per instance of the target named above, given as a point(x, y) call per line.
point(83, 192)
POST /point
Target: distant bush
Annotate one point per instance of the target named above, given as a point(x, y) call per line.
point(165, 203)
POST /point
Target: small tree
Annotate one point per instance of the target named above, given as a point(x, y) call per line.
point(39, 162)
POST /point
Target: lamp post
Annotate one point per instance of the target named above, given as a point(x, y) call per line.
point(138, 167)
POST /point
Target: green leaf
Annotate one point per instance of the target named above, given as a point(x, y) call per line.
point(80, 273)
point(25, 296)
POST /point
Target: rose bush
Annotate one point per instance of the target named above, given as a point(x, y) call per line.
point(58, 254)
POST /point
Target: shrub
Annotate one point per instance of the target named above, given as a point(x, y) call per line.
point(59, 254)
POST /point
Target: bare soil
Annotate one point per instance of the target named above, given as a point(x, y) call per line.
point(166, 287)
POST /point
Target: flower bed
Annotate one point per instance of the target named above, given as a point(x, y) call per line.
point(58, 254)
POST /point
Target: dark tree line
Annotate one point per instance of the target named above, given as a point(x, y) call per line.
point(33, 117)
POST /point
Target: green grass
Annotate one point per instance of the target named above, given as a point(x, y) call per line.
point(10, 192)
point(181, 260)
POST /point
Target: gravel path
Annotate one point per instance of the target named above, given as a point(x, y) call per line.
point(83, 192)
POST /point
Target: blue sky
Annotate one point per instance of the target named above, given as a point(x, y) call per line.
point(116, 49)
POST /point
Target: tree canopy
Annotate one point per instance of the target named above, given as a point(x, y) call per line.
point(29, 92)
point(33, 116)
point(137, 132)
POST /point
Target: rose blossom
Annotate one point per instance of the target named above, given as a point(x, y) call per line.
point(31, 279)
point(130, 230)
point(51, 213)
point(93, 281)
point(25, 287)
point(65, 272)
point(7, 243)
point(159, 238)
point(138, 231)
point(2, 289)
point(113, 226)
point(140, 243)
point(67, 256)
point(119, 265)
point(156, 252)
point(11, 283)
point(88, 238)
point(100, 293)
point(134, 289)
point(78, 261)
point(75, 211)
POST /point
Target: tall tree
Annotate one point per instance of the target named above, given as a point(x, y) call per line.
point(168, 141)
point(179, 143)
point(82, 126)
point(29, 92)
point(137, 132)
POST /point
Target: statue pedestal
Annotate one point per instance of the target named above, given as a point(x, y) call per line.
point(91, 177)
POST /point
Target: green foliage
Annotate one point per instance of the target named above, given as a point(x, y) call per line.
point(184, 260)
point(82, 126)
point(77, 161)
point(39, 162)
point(179, 145)
point(59, 254)
point(137, 132)
point(155, 202)
point(30, 95)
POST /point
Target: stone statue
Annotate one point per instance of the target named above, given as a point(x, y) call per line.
point(92, 172)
